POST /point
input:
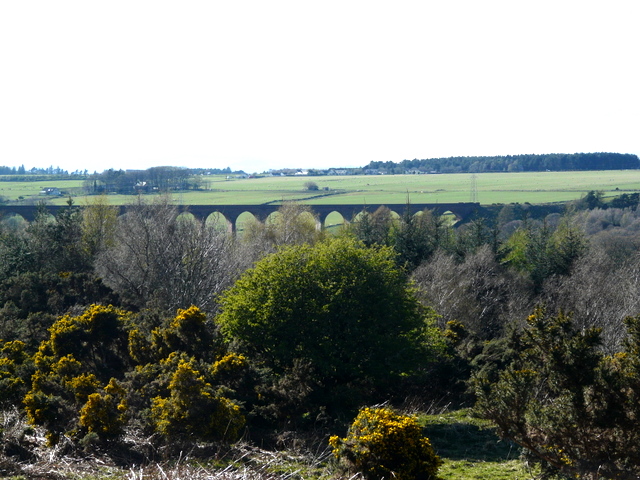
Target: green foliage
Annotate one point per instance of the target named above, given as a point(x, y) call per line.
point(527, 163)
point(78, 360)
point(187, 332)
point(57, 244)
point(184, 382)
point(106, 414)
point(194, 409)
point(592, 200)
point(340, 308)
point(373, 228)
point(31, 301)
point(384, 444)
point(415, 238)
point(542, 251)
point(566, 402)
point(99, 220)
point(16, 368)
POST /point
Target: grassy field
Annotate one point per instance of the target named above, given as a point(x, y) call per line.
point(532, 187)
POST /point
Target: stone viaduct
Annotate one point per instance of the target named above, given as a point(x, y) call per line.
point(462, 211)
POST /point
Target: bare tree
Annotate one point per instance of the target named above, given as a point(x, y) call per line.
point(600, 293)
point(165, 260)
point(478, 292)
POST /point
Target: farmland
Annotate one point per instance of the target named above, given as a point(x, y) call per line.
point(490, 188)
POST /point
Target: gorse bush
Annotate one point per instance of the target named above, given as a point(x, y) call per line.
point(384, 444)
point(97, 372)
point(565, 401)
point(73, 368)
point(106, 414)
point(15, 369)
point(194, 409)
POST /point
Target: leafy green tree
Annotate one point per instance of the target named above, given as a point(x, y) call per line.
point(417, 237)
point(567, 403)
point(56, 243)
point(343, 310)
point(568, 243)
point(592, 200)
point(373, 228)
point(411, 240)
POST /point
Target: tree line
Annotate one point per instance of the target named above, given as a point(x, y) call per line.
point(156, 325)
point(22, 171)
point(511, 163)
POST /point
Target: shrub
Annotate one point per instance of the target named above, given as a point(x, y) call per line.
point(79, 360)
point(339, 307)
point(571, 406)
point(15, 371)
point(384, 444)
point(193, 409)
point(186, 386)
point(106, 415)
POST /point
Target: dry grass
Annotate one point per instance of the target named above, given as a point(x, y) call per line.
point(468, 446)
point(23, 455)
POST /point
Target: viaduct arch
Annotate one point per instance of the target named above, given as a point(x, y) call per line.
point(462, 211)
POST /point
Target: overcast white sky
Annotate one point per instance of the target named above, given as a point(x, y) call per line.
point(271, 84)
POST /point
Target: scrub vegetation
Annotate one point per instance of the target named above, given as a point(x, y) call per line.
point(152, 345)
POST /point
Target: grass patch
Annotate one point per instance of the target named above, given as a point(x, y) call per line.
point(470, 448)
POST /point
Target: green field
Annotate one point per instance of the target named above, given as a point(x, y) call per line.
point(490, 188)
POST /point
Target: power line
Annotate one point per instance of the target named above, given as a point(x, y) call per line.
point(474, 189)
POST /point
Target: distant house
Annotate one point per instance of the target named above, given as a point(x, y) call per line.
point(51, 191)
point(141, 186)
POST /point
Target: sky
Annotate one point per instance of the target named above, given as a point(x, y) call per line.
point(258, 85)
